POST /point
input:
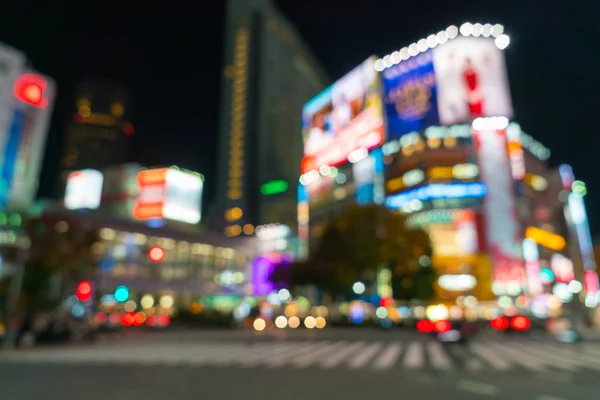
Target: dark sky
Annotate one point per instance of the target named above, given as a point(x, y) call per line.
point(169, 55)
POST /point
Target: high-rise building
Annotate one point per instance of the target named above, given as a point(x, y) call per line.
point(99, 132)
point(268, 75)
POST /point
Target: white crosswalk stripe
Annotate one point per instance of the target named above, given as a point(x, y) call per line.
point(361, 359)
point(388, 357)
point(341, 355)
point(414, 357)
point(533, 356)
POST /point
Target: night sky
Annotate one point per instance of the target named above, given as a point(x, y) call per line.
point(170, 55)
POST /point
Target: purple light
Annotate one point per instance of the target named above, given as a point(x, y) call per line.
point(262, 268)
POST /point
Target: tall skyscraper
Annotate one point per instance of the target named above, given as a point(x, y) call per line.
point(99, 132)
point(268, 75)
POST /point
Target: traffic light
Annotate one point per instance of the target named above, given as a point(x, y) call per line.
point(84, 291)
point(30, 88)
point(156, 254)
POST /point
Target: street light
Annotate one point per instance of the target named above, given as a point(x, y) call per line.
point(358, 288)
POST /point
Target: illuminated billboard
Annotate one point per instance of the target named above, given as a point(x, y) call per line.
point(26, 102)
point(346, 117)
point(450, 82)
point(503, 231)
point(169, 193)
point(84, 190)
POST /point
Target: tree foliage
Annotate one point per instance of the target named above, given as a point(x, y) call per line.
point(57, 262)
point(356, 244)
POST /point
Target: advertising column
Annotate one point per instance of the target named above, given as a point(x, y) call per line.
point(502, 227)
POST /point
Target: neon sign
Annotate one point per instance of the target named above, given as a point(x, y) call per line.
point(438, 191)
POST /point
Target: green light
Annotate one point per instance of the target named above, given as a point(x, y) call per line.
point(3, 219)
point(15, 219)
point(274, 187)
point(578, 188)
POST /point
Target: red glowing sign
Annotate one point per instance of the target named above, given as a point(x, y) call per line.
point(152, 184)
point(30, 88)
point(156, 254)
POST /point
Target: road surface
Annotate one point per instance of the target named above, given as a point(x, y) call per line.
point(303, 365)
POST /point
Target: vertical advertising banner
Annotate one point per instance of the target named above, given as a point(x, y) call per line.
point(579, 221)
point(345, 117)
point(453, 83)
point(29, 153)
point(12, 63)
point(502, 227)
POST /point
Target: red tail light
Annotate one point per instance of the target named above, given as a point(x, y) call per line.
point(164, 320)
point(151, 320)
point(442, 326)
point(425, 326)
point(520, 323)
point(101, 318)
point(500, 323)
point(127, 319)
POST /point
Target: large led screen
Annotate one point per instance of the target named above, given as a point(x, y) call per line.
point(453, 83)
point(344, 118)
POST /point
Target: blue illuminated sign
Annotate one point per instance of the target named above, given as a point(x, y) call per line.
point(438, 191)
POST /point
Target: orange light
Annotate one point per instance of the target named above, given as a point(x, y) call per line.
point(442, 326)
point(139, 318)
point(248, 229)
point(149, 177)
point(395, 184)
point(545, 238)
point(156, 254)
point(147, 211)
point(441, 173)
point(30, 88)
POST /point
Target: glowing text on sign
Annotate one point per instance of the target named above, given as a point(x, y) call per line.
point(30, 88)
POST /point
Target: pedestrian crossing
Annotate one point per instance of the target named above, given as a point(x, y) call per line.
point(327, 355)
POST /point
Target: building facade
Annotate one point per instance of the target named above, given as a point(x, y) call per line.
point(99, 131)
point(268, 75)
point(427, 131)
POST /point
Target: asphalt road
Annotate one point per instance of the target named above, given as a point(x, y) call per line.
point(245, 365)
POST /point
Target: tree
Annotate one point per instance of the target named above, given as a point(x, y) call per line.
point(357, 243)
point(58, 261)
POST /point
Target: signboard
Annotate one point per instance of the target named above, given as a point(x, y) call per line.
point(169, 193)
point(453, 83)
point(344, 118)
point(84, 190)
point(502, 227)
